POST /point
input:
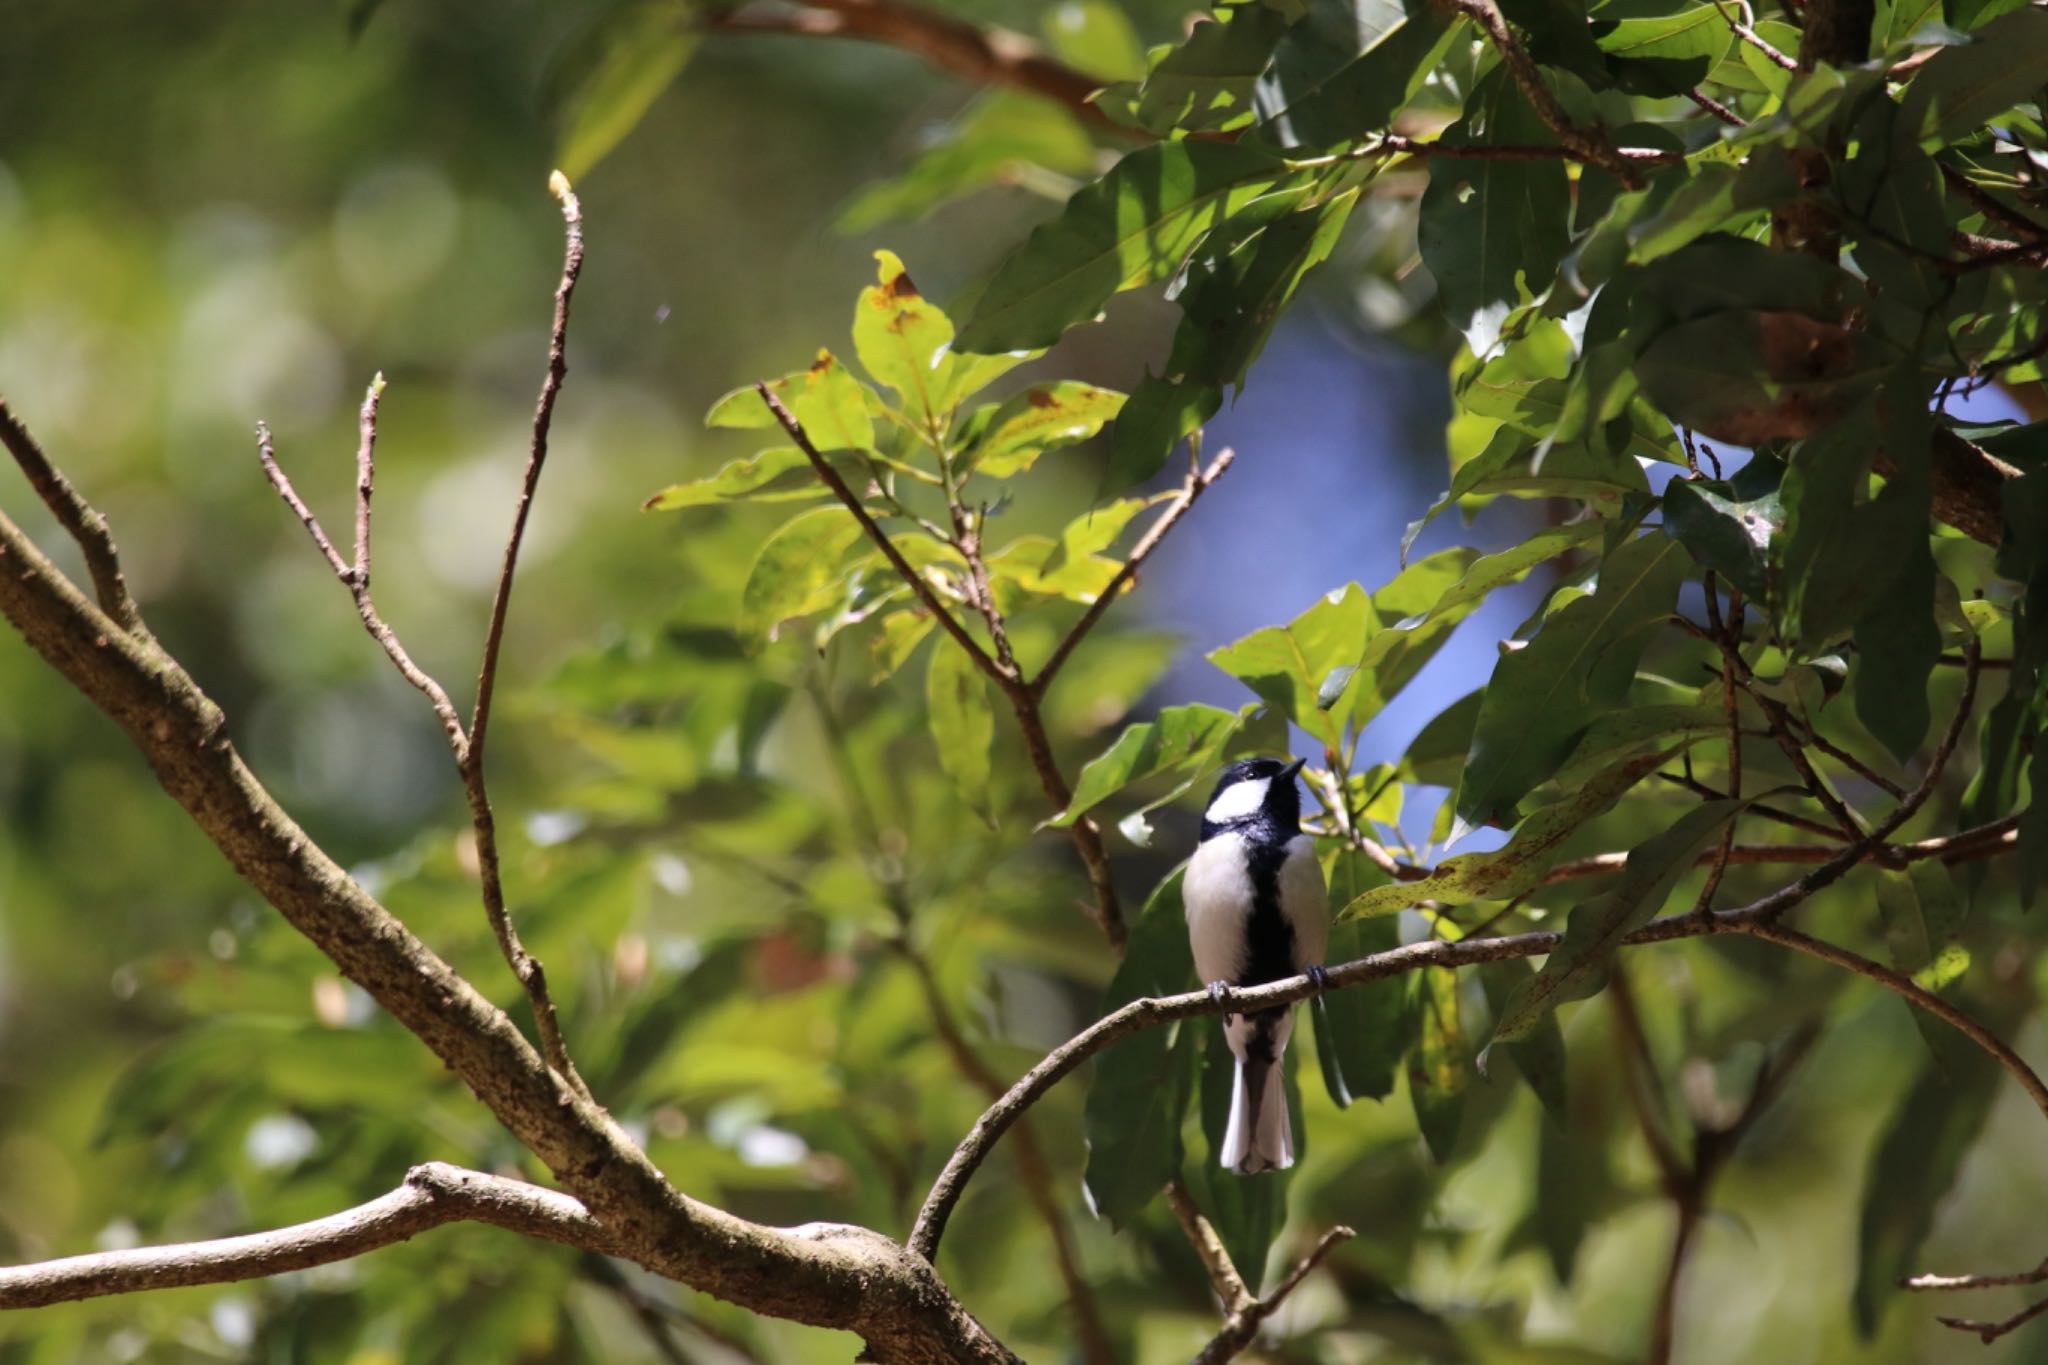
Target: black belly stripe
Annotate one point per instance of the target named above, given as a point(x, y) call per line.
point(1269, 938)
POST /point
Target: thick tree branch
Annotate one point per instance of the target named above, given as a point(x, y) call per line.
point(433, 1194)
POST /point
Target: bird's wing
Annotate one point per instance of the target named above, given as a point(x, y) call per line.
point(1306, 901)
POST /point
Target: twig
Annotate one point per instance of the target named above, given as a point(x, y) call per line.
point(1197, 483)
point(985, 56)
point(1988, 204)
point(1032, 1166)
point(1244, 1323)
point(1590, 147)
point(1789, 819)
point(1396, 144)
point(356, 577)
point(1753, 38)
point(1729, 632)
point(433, 1194)
point(80, 520)
point(1201, 1234)
point(1106, 911)
point(1717, 109)
point(1949, 1282)
point(525, 966)
point(1988, 1332)
point(1899, 984)
point(851, 501)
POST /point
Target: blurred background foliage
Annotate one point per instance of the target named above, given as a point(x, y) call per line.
point(756, 886)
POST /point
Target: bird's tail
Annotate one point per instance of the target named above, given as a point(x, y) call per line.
point(1258, 1136)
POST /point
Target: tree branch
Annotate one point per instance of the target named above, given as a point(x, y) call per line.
point(1197, 483)
point(1587, 146)
point(1201, 1234)
point(433, 1194)
point(356, 576)
point(525, 966)
point(1106, 911)
point(1243, 1324)
point(1152, 1012)
point(80, 520)
point(993, 56)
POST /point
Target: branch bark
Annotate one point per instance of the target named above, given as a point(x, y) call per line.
point(432, 1195)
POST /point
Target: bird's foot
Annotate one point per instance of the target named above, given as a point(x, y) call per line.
point(1317, 977)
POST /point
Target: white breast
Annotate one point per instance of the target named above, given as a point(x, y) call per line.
point(1217, 893)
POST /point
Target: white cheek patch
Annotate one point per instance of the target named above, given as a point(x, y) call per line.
point(1238, 800)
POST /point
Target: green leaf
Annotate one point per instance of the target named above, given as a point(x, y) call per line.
point(904, 341)
point(1623, 735)
point(1578, 666)
point(829, 403)
point(1898, 647)
point(1539, 1057)
point(1439, 1066)
point(1037, 420)
point(1507, 872)
point(1843, 555)
point(1142, 1082)
point(778, 474)
point(1008, 134)
point(1361, 1032)
point(796, 572)
point(1206, 82)
point(1698, 32)
point(1751, 375)
point(1492, 232)
point(1933, 1129)
point(963, 725)
point(1725, 533)
point(1579, 966)
point(1437, 754)
point(1159, 415)
point(1183, 737)
point(1287, 665)
point(1348, 68)
point(1131, 227)
point(1095, 35)
point(1965, 87)
point(641, 50)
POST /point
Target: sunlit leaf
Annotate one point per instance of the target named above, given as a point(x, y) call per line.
point(1182, 737)
point(1439, 1065)
point(796, 572)
point(904, 341)
point(1287, 665)
point(1039, 419)
point(640, 51)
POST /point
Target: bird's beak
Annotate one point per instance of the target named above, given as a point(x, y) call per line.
point(1292, 770)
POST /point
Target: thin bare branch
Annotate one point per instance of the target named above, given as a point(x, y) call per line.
point(1717, 109)
point(1639, 1068)
point(356, 577)
point(1749, 35)
point(1197, 483)
point(525, 966)
point(1943, 1283)
point(433, 1194)
point(80, 520)
point(1988, 1332)
point(1242, 1325)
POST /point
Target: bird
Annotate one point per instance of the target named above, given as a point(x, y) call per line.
point(1257, 911)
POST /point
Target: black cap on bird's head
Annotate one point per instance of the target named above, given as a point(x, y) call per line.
point(1257, 791)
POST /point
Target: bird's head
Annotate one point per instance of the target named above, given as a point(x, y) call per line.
point(1255, 790)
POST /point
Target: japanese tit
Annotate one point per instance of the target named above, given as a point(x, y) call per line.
point(1257, 912)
